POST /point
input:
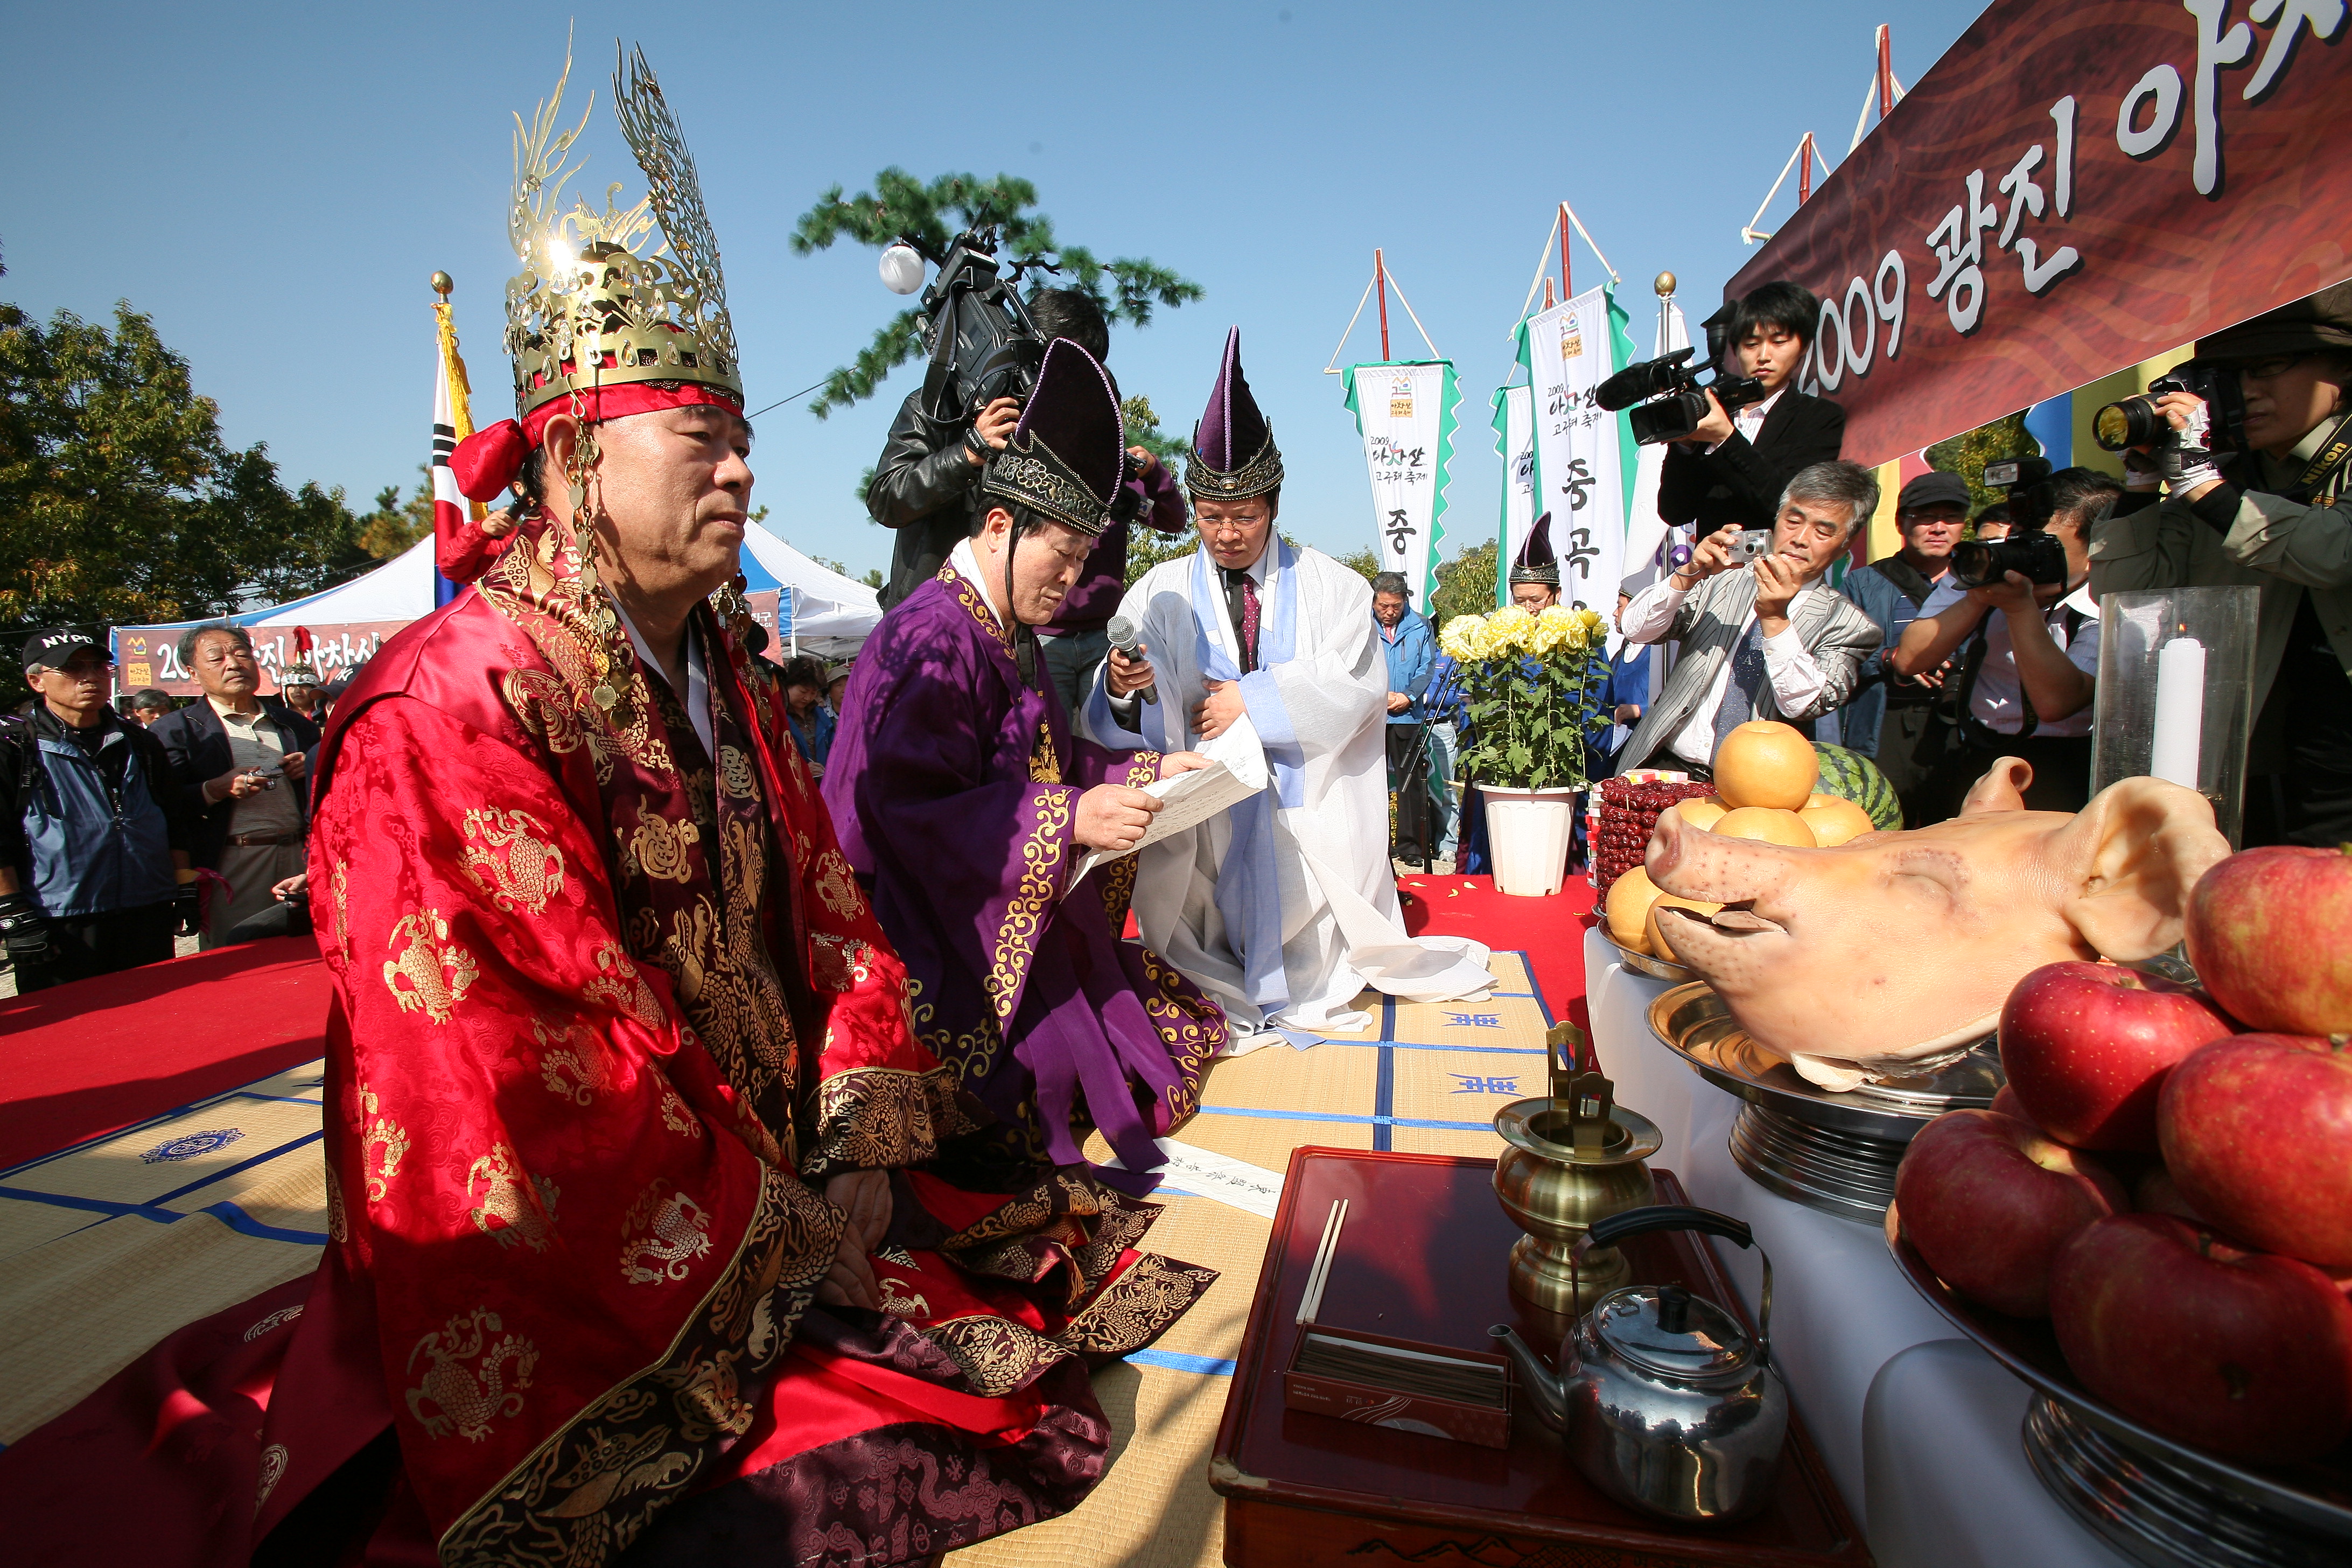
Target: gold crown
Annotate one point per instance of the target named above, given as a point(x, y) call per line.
point(587, 309)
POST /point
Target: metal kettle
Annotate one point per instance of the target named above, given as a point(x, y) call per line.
point(1663, 1399)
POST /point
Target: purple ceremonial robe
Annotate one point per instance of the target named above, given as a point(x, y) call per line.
point(954, 789)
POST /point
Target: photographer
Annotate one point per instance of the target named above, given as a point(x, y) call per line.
point(1731, 472)
point(2026, 675)
point(1765, 640)
point(928, 474)
point(2273, 517)
point(1898, 720)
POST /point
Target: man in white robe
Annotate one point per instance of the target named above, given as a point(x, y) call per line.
point(1285, 907)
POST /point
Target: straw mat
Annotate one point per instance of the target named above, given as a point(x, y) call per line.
point(1429, 1080)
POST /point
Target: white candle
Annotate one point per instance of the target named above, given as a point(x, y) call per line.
point(2179, 712)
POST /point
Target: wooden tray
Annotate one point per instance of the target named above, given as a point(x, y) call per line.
point(1423, 1257)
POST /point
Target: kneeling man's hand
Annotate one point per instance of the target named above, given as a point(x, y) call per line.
point(1174, 763)
point(1113, 818)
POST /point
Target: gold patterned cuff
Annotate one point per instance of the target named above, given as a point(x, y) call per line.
point(876, 1119)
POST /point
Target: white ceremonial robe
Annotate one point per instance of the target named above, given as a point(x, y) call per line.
point(1284, 907)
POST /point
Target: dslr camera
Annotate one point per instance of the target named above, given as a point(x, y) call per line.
point(1672, 399)
point(982, 345)
point(2138, 422)
point(2030, 550)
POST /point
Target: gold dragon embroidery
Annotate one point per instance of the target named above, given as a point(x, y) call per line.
point(529, 872)
point(665, 1231)
point(437, 977)
point(1027, 910)
point(464, 1384)
point(516, 1204)
point(382, 1142)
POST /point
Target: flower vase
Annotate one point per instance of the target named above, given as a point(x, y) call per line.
point(1527, 832)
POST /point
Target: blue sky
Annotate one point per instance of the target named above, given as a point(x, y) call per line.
point(276, 183)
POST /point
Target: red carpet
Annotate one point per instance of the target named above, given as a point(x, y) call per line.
point(89, 1058)
point(1551, 931)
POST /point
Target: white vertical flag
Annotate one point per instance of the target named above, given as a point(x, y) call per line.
point(1515, 433)
point(1405, 414)
point(1580, 464)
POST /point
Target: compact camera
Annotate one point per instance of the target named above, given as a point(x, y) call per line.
point(1753, 544)
point(2138, 422)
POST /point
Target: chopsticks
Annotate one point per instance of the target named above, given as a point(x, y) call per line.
point(1312, 1302)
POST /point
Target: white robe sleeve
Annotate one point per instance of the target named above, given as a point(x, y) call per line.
point(1334, 685)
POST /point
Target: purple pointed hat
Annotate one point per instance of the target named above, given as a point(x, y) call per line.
point(1537, 564)
point(1234, 454)
point(1067, 457)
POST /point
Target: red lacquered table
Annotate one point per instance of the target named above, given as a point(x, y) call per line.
point(1423, 1257)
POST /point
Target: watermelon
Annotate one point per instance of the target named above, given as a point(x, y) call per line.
point(1856, 778)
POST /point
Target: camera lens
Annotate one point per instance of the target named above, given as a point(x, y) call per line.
point(1972, 564)
point(2130, 422)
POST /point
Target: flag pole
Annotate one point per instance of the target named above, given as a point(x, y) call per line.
point(1381, 285)
point(1566, 289)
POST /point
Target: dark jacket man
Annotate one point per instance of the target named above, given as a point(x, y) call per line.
point(1731, 474)
point(199, 750)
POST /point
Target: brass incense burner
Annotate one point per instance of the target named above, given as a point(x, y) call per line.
point(1575, 1156)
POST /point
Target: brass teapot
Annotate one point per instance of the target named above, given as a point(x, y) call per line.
point(1575, 1157)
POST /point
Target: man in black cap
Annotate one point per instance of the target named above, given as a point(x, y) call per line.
point(2272, 516)
point(93, 844)
point(1896, 719)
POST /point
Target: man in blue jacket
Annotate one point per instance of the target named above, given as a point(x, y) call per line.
point(1411, 651)
point(1899, 720)
point(93, 844)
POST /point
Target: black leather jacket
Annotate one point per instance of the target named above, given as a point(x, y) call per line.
point(923, 487)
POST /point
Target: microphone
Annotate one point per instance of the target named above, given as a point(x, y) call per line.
point(1121, 632)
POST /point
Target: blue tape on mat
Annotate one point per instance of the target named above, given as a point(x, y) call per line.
point(1176, 1360)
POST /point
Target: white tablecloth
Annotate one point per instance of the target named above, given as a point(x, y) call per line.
point(1936, 1472)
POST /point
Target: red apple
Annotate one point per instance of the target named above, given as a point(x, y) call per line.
point(2267, 931)
point(2087, 1047)
point(2240, 1354)
point(2005, 1103)
point(2257, 1130)
point(1988, 1201)
point(2157, 1192)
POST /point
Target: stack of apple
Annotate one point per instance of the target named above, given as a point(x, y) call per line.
point(2167, 1176)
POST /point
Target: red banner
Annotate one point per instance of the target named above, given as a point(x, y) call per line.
point(149, 656)
point(2073, 188)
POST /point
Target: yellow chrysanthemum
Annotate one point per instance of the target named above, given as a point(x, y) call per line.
point(1459, 639)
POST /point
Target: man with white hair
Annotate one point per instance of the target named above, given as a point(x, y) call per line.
point(1771, 640)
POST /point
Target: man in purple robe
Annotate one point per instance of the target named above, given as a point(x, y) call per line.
point(966, 805)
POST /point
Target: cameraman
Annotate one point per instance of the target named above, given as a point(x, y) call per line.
point(2277, 521)
point(2026, 675)
point(1731, 471)
point(930, 471)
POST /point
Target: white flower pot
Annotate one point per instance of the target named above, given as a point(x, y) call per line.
point(1527, 832)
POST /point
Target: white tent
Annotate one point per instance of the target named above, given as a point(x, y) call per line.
point(826, 612)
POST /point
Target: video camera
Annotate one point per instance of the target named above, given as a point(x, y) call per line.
point(2030, 549)
point(982, 345)
point(2138, 422)
point(1672, 398)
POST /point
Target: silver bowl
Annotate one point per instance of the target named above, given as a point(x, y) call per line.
point(2154, 1499)
point(1643, 963)
point(1835, 1151)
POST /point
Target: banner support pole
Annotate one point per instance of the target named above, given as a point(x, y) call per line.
point(1381, 283)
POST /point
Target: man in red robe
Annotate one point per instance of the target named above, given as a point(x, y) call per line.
point(633, 1245)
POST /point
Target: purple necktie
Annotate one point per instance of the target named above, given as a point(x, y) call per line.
point(1249, 624)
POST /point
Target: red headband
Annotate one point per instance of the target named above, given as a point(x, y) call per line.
point(486, 462)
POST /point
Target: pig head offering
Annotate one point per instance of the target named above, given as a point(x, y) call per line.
point(1874, 959)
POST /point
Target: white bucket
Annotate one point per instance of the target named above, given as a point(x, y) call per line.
point(1527, 832)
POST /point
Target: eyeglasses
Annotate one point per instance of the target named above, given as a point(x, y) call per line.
point(84, 669)
point(2268, 369)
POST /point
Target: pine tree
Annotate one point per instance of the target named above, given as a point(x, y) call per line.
point(928, 216)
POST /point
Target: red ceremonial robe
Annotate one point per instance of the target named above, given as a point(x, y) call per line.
point(607, 1011)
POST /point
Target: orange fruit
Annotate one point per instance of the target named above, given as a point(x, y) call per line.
point(1771, 826)
point(1702, 813)
point(1834, 819)
point(1628, 904)
point(1655, 929)
point(1765, 763)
